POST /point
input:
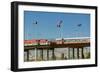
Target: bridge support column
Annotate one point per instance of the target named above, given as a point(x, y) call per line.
point(42, 53)
point(53, 55)
point(82, 53)
point(78, 53)
point(68, 53)
point(27, 55)
point(73, 53)
point(47, 54)
point(36, 53)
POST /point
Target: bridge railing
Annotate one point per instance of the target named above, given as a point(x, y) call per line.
point(68, 41)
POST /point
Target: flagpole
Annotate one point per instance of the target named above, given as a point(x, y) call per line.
point(35, 48)
point(79, 33)
point(59, 28)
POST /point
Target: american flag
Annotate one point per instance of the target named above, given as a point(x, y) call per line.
point(79, 25)
point(59, 24)
point(35, 22)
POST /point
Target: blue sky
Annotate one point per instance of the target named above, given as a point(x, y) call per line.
point(46, 27)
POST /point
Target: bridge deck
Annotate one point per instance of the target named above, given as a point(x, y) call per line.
point(53, 45)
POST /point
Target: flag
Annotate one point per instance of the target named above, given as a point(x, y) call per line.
point(35, 22)
point(59, 24)
point(79, 25)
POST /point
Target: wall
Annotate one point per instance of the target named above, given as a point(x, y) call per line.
point(5, 35)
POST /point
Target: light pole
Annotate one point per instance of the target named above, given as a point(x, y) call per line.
point(35, 23)
point(79, 25)
point(59, 27)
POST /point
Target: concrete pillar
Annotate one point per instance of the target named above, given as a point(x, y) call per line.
point(42, 53)
point(37, 54)
point(68, 53)
point(53, 55)
point(78, 53)
point(73, 54)
point(27, 55)
point(82, 53)
point(47, 53)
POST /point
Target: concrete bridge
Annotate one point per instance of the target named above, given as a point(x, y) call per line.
point(62, 43)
